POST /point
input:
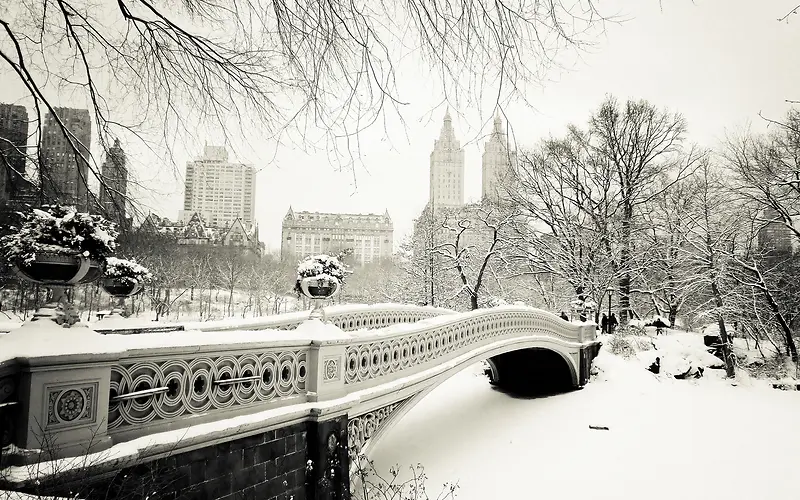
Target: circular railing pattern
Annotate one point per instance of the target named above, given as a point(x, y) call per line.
point(366, 317)
point(372, 360)
point(363, 427)
point(179, 387)
point(379, 318)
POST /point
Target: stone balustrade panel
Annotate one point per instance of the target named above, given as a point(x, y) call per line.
point(202, 384)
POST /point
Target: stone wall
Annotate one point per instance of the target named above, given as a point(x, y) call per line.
point(270, 465)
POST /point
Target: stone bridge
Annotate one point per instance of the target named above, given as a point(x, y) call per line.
point(251, 409)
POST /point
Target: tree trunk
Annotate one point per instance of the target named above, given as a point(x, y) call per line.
point(473, 301)
point(625, 261)
point(791, 348)
point(673, 315)
point(727, 353)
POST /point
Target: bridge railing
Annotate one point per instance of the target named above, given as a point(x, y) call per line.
point(107, 389)
point(347, 317)
point(384, 355)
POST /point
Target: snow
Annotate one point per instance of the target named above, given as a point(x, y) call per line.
point(15, 495)
point(668, 439)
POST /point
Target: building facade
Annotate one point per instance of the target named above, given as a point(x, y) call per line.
point(195, 234)
point(114, 188)
point(775, 237)
point(220, 191)
point(370, 236)
point(447, 168)
point(13, 147)
point(497, 163)
point(64, 166)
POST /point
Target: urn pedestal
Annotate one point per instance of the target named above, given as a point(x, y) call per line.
point(319, 290)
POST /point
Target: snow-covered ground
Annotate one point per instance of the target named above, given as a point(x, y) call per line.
point(666, 439)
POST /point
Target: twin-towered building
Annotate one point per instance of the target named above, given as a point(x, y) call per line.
point(447, 167)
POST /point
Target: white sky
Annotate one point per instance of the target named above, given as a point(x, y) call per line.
point(719, 62)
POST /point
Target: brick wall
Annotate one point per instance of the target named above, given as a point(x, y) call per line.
point(266, 466)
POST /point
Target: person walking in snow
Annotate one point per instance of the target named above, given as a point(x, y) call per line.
point(604, 324)
point(612, 323)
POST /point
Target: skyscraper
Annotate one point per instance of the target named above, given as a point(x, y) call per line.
point(64, 171)
point(774, 237)
point(13, 142)
point(447, 168)
point(219, 191)
point(114, 188)
point(497, 162)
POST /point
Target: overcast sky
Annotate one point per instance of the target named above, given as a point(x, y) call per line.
point(719, 62)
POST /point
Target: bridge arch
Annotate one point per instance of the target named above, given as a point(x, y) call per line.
point(368, 428)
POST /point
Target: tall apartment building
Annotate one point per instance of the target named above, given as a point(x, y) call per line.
point(218, 190)
point(13, 143)
point(114, 188)
point(64, 172)
point(447, 168)
point(774, 237)
point(497, 164)
point(370, 236)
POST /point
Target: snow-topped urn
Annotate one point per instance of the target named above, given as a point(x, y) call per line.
point(59, 247)
point(320, 277)
point(121, 279)
point(124, 278)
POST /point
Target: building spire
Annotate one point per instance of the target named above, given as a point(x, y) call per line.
point(498, 124)
point(447, 135)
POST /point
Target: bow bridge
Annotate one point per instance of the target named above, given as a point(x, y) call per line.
point(212, 411)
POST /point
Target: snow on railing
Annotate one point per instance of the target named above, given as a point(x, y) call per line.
point(347, 317)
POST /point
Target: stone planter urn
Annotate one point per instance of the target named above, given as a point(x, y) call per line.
point(319, 289)
point(60, 272)
point(120, 289)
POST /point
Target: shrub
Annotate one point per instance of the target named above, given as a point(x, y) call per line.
point(630, 330)
point(621, 346)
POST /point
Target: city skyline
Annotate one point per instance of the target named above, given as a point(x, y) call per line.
point(658, 54)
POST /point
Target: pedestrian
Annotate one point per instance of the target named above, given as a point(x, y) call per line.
point(604, 324)
point(612, 323)
point(564, 316)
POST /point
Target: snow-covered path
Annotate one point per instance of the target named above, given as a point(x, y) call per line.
point(668, 439)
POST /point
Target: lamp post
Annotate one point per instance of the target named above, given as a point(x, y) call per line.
point(610, 292)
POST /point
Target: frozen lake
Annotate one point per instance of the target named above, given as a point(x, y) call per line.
point(667, 439)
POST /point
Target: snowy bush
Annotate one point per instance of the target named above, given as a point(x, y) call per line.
point(630, 330)
point(128, 272)
point(61, 230)
point(642, 343)
point(621, 346)
point(323, 266)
